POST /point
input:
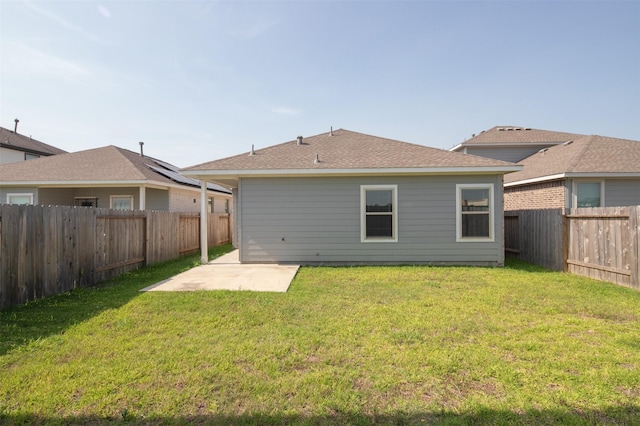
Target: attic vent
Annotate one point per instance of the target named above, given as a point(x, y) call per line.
point(501, 129)
point(567, 143)
point(527, 128)
point(519, 128)
point(300, 140)
point(543, 150)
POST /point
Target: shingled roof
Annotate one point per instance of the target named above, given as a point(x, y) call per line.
point(106, 165)
point(10, 139)
point(519, 135)
point(346, 150)
point(585, 155)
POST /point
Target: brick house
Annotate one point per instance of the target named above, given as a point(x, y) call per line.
point(561, 169)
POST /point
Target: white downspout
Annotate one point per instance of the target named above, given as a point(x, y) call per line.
point(204, 248)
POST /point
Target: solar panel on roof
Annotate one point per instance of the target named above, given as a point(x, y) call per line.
point(166, 165)
point(177, 177)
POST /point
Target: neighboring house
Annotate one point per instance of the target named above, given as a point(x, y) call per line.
point(108, 177)
point(15, 147)
point(512, 143)
point(587, 171)
point(348, 198)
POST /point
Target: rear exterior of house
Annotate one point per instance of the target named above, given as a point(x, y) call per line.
point(323, 220)
point(350, 198)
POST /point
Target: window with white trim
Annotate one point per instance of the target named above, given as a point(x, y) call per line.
point(20, 198)
point(121, 202)
point(474, 212)
point(379, 213)
point(588, 194)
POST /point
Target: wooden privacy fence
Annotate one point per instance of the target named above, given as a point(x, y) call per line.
point(45, 250)
point(600, 243)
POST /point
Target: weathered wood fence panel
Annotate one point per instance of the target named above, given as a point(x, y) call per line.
point(600, 243)
point(603, 244)
point(46, 250)
point(535, 236)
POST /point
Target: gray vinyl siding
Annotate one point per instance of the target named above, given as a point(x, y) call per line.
point(513, 154)
point(623, 192)
point(156, 199)
point(56, 196)
point(317, 220)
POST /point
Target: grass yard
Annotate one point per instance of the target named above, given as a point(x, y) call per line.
point(361, 345)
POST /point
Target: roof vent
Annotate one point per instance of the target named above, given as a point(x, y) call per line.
point(331, 131)
point(141, 151)
point(527, 128)
point(543, 150)
point(253, 152)
point(567, 143)
point(299, 140)
point(15, 128)
point(317, 160)
point(501, 129)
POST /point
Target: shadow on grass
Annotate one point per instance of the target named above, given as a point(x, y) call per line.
point(625, 415)
point(51, 315)
point(521, 265)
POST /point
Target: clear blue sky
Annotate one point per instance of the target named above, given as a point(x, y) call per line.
point(198, 81)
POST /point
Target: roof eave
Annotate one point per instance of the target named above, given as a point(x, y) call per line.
point(227, 174)
point(573, 175)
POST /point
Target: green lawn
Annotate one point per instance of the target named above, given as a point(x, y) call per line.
point(362, 345)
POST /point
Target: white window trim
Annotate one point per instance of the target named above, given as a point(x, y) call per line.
point(574, 192)
point(20, 194)
point(111, 197)
point(459, 237)
point(363, 214)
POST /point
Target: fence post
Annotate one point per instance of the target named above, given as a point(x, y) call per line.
point(566, 223)
point(634, 246)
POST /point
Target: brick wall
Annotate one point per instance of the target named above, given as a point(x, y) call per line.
point(181, 200)
point(546, 195)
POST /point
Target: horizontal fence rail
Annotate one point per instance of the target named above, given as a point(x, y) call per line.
point(46, 250)
point(600, 242)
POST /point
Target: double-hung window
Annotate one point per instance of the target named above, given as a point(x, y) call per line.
point(474, 212)
point(379, 213)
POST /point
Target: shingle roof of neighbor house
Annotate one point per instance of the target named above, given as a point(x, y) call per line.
point(347, 150)
point(519, 135)
point(10, 139)
point(108, 164)
point(584, 155)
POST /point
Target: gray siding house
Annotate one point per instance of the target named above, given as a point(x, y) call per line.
point(348, 198)
point(15, 147)
point(107, 177)
point(512, 143)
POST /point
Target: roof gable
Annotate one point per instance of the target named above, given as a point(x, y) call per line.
point(500, 135)
point(585, 155)
point(12, 140)
point(345, 150)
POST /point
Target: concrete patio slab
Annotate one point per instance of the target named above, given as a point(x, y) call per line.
point(227, 273)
